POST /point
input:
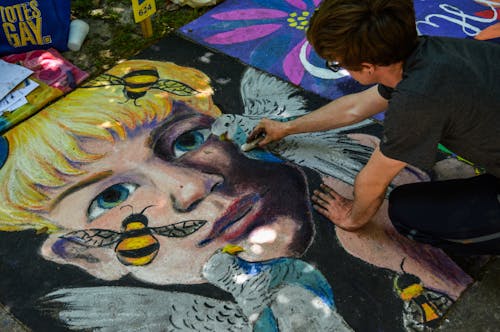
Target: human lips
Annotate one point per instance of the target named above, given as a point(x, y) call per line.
point(240, 209)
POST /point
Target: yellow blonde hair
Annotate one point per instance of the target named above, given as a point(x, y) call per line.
point(44, 151)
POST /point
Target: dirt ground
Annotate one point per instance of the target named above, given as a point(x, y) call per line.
point(114, 36)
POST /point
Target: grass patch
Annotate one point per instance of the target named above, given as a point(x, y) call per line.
point(115, 36)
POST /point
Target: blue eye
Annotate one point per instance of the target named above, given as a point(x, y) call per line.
point(190, 141)
point(110, 198)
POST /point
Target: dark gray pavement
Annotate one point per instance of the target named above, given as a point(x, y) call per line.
point(8, 323)
point(478, 309)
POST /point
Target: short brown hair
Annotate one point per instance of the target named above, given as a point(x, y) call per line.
point(381, 32)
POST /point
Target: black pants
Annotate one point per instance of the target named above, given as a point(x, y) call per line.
point(461, 216)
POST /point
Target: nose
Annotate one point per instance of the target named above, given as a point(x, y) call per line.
point(184, 187)
point(186, 195)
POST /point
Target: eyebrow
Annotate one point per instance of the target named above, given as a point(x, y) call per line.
point(80, 185)
point(171, 121)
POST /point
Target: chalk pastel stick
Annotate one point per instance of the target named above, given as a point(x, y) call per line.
point(251, 145)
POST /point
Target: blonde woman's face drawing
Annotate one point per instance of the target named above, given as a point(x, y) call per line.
point(184, 193)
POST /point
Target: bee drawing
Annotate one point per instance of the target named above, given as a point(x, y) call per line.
point(138, 81)
point(423, 307)
point(135, 244)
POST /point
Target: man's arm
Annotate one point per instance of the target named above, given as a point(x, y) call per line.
point(340, 112)
point(369, 193)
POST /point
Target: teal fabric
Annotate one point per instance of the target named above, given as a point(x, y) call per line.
point(4, 150)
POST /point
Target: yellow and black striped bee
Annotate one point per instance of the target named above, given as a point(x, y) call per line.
point(423, 307)
point(135, 244)
point(138, 81)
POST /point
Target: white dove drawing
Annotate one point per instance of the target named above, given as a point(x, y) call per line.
point(284, 294)
point(331, 153)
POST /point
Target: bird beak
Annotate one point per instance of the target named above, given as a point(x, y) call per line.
point(223, 137)
point(232, 249)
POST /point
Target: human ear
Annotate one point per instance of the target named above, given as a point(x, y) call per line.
point(368, 68)
point(100, 262)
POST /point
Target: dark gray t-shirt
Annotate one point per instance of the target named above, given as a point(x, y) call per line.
point(449, 94)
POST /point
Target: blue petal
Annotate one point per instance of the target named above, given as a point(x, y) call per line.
point(274, 4)
point(268, 55)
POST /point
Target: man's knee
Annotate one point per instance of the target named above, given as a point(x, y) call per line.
point(397, 211)
point(405, 215)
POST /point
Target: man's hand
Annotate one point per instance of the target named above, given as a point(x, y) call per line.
point(333, 206)
point(270, 130)
point(369, 193)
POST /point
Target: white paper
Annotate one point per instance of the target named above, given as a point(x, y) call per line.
point(11, 76)
point(20, 102)
point(29, 85)
point(16, 98)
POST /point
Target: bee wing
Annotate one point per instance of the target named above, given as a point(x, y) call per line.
point(93, 237)
point(180, 229)
point(442, 301)
point(104, 80)
point(175, 87)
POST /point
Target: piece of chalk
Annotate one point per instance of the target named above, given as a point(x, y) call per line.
point(252, 145)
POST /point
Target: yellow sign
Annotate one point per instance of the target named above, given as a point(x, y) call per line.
point(143, 9)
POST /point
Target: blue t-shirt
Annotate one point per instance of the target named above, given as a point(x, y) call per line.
point(29, 25)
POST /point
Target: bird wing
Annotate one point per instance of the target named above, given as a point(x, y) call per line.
point(302, 298)
point(297, 273)
point(330, 153)
point(264, 95)
point(248, 286)
point(142, 309)
point(296, 308)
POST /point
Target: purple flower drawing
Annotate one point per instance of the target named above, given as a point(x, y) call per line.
point(270, 35)
point(285, 27)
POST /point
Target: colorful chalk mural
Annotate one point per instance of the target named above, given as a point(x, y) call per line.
point(270, 35)
point(142, 213)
